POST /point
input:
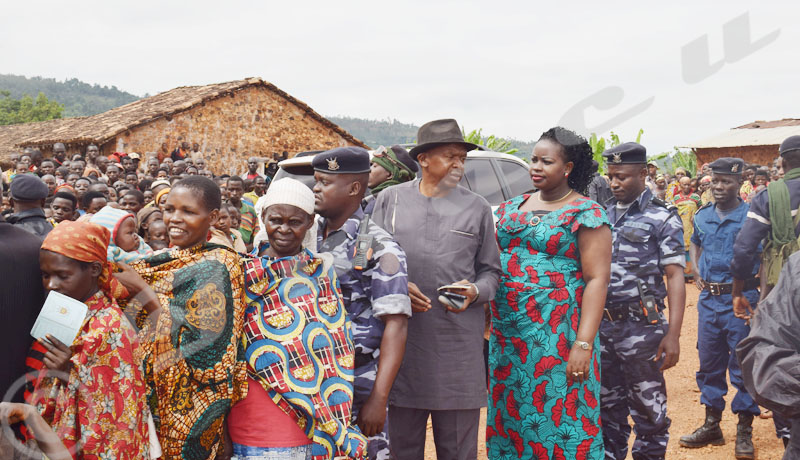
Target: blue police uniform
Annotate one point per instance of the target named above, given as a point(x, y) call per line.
point(380, 288)
point(647, 236)
point(719, 331)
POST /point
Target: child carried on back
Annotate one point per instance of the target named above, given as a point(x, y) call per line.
point(125, 245)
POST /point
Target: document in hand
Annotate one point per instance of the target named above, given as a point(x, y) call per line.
point(61, 317)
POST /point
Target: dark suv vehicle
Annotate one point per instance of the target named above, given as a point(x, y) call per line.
point(495, 176)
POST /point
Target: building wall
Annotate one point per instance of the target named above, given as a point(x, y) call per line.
point(252, 122)
point(757, 154)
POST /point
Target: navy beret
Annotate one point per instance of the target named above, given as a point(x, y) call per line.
point(727, 165)
point(626, 153)
point(403, 157)
point(28, 187)
point(790, 144)
point(342, 160)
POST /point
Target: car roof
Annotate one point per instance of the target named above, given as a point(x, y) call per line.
point(304, 158)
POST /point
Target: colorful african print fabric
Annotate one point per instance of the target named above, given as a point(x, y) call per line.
point(745, 190)
point(101, 412)
point(687, 206)
point(248, 226)
point(191, 354)
point(299, 346)
point(534, 411)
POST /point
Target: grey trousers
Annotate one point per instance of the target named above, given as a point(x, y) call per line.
point(455, 433)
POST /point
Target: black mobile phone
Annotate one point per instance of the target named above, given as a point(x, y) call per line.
point(452, 300)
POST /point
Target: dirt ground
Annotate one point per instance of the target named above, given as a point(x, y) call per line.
point(684, 407)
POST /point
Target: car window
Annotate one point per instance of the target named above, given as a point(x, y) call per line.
point(482, 180)
point(517, 177)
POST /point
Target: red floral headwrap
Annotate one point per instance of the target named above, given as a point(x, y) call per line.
point(86, 242)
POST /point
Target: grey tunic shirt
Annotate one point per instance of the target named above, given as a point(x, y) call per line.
point(446, 240)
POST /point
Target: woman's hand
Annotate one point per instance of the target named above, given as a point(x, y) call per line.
point(12, 413)
point(57, 357)
point(578, 365)
point(130, 279)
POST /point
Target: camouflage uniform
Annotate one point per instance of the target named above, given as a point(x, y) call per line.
point(646, 237)
point(380, 289)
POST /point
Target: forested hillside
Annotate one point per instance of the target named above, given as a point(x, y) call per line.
point(77, 97)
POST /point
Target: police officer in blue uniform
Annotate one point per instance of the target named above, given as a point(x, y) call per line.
point(757, 227)
point(637, 344)
point(716, 226)
point(374, 289)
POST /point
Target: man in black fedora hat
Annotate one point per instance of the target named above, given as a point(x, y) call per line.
point(447, 233)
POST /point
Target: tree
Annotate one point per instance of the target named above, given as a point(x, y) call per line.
point(493, 143)
point(677, 158)
point(600, 145)
point(26, 109)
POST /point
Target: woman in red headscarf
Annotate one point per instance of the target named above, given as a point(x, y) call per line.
point(95, 402)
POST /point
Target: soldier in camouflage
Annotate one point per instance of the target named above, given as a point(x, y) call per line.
point(375, 295)
point(636, 347)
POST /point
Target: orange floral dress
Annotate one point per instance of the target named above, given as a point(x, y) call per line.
point(101, 412)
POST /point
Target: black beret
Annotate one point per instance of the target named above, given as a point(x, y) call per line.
point(626, 153)
point(342, 160)
point(403, 157)
point(727, 165)
point(28, 187)
point(790, 144)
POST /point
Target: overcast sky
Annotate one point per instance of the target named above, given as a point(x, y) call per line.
point(512, 68)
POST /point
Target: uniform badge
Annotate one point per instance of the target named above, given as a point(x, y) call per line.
point(735, 168)
point(617, 157)
point(333, 165)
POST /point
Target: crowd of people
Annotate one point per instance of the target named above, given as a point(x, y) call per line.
point(237, 316)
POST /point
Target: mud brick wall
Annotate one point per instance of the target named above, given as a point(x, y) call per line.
point(756, 154)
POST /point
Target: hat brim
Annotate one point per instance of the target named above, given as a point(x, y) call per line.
point(422, 148)
point(324, 170)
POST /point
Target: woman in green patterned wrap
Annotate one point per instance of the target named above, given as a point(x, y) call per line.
point(194, 293)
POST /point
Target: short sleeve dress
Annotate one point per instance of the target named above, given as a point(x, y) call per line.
point(533, 411)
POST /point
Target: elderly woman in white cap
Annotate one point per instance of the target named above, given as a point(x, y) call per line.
point(297, 343)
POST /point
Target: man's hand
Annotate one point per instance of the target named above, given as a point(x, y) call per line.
point(742, 308)
point(471, 293)
point(670, 347)
point(372, 416)
point(57, 356)
point(698, 280)
point(419, 302)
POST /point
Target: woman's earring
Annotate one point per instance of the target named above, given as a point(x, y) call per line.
point(566, 174)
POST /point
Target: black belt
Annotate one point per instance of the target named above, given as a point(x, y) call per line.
point(624, 310)
point(727, 288)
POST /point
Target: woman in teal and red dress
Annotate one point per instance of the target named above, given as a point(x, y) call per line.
point(544, 361)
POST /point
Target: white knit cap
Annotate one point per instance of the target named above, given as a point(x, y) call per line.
point(286, 191)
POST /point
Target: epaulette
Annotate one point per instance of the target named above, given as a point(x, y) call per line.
point(707, 205)
point(663, 204)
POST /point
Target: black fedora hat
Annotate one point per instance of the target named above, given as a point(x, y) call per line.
point(439, 132)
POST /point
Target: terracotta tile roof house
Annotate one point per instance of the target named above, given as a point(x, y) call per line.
point(230, 121)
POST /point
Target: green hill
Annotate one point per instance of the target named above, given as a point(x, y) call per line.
point(77, 97)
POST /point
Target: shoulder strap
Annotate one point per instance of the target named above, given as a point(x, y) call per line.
point(780, 214)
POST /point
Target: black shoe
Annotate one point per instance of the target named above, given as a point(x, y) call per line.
point(709, 433)
point(744, 438)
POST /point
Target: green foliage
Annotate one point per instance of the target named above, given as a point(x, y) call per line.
point(600, 145)
point(493, 143)
point(677, 158)
point(26, 109)
point(78, 98)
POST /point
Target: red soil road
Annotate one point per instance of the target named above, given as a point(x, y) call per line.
point(683, 406)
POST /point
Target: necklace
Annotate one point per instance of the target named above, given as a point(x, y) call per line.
point(555, 201)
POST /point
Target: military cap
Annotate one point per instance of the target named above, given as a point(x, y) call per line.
point(626, 153)
point(727, 165)
point(342, 160)
point(28, 187)
point(790, 144)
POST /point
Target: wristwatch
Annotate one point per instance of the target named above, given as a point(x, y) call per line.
point(583, 345)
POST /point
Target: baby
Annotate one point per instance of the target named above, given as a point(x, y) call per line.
point(125, 245)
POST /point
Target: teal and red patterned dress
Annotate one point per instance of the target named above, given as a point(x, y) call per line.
point(533, 412)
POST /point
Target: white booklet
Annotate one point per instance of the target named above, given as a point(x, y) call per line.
point(61, 317)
